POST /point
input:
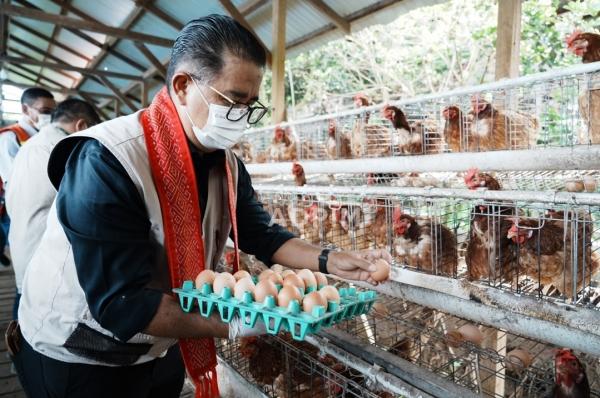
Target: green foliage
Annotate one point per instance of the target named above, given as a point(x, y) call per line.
point(430, 49)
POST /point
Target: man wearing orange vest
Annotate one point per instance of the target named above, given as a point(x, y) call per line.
point(37, 105)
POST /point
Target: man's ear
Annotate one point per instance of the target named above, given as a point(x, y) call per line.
point(24, 108)
point(81, 125)
point(180, 84)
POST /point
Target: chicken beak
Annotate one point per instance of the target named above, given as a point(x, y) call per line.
point(511, 234)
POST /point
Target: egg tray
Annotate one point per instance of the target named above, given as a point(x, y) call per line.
point(290, 318)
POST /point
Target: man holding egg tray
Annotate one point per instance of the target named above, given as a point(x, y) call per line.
point(145, 202)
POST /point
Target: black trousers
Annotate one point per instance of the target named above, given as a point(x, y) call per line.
point(44, 377)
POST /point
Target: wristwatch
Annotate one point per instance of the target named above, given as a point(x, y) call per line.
point(323, 257)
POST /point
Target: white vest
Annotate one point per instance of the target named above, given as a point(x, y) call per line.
point(53, 303)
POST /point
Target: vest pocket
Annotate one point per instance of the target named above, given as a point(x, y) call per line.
point(91, 344)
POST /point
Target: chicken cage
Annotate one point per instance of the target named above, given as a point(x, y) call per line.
point(550, 109)
point(546, 250)
point(515, 256)
point(489, 362)
point(285, 368)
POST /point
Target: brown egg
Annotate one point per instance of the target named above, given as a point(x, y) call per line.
point(575, 186)
point(287, 272)
point(321, 279)
point(243, 285)
point(382, 272)
point(467, 332)
point(308, 277)
point(276, 278)
point(330, 293)
point(518, 359)
point(263, 289)
point(241, 274)
point(312, 300)
point(222, 280)
point(277, 268)
point(206, 276)
point(293, 280)
point(265, 274)
point(287, 294)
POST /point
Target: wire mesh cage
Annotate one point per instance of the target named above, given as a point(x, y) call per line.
point(547, 251)
point(286, 368)
point(488, 361)
point(549, 180)
point(555, 109)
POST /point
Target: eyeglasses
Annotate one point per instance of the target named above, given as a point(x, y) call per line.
point(238, 110)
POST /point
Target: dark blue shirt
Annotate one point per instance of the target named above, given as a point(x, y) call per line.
point(105, 219)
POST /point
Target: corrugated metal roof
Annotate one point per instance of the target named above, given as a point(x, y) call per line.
point(307, 27)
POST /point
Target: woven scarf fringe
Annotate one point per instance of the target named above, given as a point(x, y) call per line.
point(207, 385)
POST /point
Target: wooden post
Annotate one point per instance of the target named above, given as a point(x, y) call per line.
point(144, 94)
point(508, 38)
point(278, 66)
point(117, 108)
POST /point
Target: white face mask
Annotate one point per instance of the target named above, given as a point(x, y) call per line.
point(43, 120)
point(219, 132)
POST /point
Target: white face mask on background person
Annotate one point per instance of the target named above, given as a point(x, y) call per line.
point(219, 132)
point(43, 120)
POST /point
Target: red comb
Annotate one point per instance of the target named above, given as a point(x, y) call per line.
point(565, 354)
point(297, 167)
point(397, 214)
point(471, 173)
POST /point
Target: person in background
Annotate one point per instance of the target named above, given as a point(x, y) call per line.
point(37, 105)
point(29, 201)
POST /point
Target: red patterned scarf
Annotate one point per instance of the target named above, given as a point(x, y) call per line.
point(175, 181)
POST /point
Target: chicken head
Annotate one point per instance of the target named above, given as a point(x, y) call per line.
point(401, 222)
point(569, 371)
point(279, 134)
point(519, 235)
point(451, 112)
point(576, 43)
point(361, 100)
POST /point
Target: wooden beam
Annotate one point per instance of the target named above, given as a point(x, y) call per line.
point(22, 54)
point(35, 73)
point(251, 5)
point(104, 46)
point(92, 103)
point(55, 31)
point(330, 13)
point(57, 90)
point(131, 19)
point(363, 12)
point(152, 58)
point(118, 93)
point(117, 108)
point(278, 65)
point(50, 40)
point(86, 71)
point(3, 31)
point(37, 50)
point(160, 14)
point(508, 39)
point(144, 93)
point(235, 14)
point(84, 25)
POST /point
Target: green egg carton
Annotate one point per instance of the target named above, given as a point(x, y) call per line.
point(291, 318)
